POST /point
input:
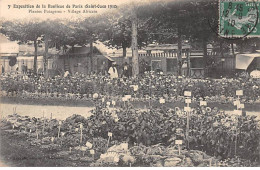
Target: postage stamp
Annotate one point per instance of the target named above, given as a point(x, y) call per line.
point(239, 18)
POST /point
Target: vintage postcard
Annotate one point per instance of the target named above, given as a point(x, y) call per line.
point(130, 83)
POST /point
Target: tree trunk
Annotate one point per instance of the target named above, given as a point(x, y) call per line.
point(205, 52)
point(205, 58)
point(124, 48)
point(179, 55)
point(46, 42)
point(35, 57)
point(91, 55)
point(135, 61)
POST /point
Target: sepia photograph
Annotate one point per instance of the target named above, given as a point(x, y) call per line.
point(130, 83)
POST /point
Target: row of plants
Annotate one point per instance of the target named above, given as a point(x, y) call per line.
point(210, 130)
point(149, 85)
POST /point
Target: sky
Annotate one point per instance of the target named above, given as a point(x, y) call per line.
point(9, 12)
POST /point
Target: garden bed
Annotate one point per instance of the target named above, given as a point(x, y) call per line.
point(131, 137)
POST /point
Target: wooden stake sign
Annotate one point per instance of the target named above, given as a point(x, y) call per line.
point(113, 103)
point(239, 92)
point(37, 135)
point(203, 103)
point(241, 106)
point(187, 93)
point(59, 129)
point(237, 102)
point(187, 101)
point(52, 139)
point(187, 109)
point(89, 145)
point(135, 87)
point(92, 152)
point(128, 96)
point(178, 142)
point(109, 137)
point(162, 101)
point(238, 112)
point(81, 128)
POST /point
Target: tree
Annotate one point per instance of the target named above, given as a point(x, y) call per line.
point(24, 32)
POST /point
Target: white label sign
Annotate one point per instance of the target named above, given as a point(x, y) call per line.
point(242, 106)
point(110, 134)
point(237, 103)
point(113, 103)
point(187, 109)
point(187, 93)
point(89, 145)
point(162, 100)
point(238, 112)
point(178, 142)
point(187, 101)
point(203, 103)
point(92, 152)
point(239, 92)
point(135, 87)
point(128, 96)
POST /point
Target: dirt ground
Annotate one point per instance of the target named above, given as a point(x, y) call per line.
point(19, 153)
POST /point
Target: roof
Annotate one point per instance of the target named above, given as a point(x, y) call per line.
point(7, 47)
point(166, 46)
point(28, 50)
point(244, 60)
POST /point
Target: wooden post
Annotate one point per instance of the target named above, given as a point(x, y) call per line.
point(37, 135)
point(179, 149)
point(59, 129)
point(108, 141)
point(135, 61)
point(81, 128)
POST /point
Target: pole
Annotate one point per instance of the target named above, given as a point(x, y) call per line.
point(179, 149)
point(108, 141)
point(134, 45)
point(81, 127)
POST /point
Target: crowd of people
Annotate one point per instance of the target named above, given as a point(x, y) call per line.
point(149, 85)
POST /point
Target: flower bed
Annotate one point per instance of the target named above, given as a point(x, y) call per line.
point(143, 88)
point(224, 137)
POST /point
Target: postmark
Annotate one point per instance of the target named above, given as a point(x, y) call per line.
point(239, 18)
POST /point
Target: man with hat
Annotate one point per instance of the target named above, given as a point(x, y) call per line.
point(113, 71)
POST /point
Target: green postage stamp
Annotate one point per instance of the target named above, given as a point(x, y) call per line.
point(239, 18)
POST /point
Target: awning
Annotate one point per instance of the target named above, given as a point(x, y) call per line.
point(110, 59)
point(244, 60)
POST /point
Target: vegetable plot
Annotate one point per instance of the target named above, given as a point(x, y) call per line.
point(225, 137)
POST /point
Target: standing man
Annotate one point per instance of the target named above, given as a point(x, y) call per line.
point(113, 71)
point(126, 70)
point(184, 68)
